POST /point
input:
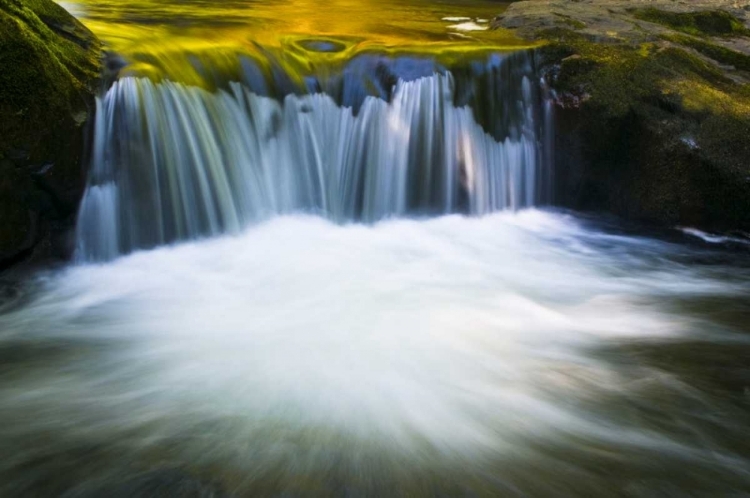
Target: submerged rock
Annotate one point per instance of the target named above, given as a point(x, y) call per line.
point(50, 69)
point(653, 107)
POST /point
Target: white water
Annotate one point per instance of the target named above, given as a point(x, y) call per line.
point(447, 340)
point(713, 238)
point(173, 162)
point(468, 26)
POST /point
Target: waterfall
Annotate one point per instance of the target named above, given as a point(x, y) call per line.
point(174, 162)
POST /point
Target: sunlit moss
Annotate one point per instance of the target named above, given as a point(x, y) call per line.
point(714, 51)
point(700, 23)
point(573, 23)
point(665, 130)
point(618, 76)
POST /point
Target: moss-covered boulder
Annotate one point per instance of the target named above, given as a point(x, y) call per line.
point(653, 106)
point(49, 68)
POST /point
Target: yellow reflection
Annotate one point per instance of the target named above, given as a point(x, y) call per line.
point(162, 38)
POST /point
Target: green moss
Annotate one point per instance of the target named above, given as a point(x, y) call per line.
point(665, 130)
point(573, 23)
point(50, 65)
point(619, 77)
point(701, 23)
point(47, 28)
point(716, 52)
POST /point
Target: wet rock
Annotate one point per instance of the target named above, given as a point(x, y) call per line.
point(17, 155)
point(113, 64)
point(50, 71)
point(614, 20)
point(653, 111)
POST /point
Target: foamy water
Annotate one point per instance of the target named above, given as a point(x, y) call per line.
point(303, 348)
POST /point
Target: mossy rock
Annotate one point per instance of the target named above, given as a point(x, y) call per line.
point(713, 51)
point(700, 23)
point(659, 132)
point(50, 68)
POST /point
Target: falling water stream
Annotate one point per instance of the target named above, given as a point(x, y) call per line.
point(173, 162)
point(346, 279)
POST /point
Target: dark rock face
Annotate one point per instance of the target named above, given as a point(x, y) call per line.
point(653, 113)
point(50, 70)
point(645, 170)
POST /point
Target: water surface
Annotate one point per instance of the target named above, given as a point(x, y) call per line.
point(168, 38)
point(535, 353)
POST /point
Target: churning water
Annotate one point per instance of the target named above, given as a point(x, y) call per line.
point(526, 353)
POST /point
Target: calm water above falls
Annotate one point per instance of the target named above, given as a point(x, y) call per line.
point(178, 39)
point(334, 278)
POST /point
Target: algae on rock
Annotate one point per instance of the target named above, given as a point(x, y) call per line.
point(653, 106)
point(698, 23)
point(50, 68)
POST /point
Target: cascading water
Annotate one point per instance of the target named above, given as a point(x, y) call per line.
point(530, 352)
point(173, 162)
point(513, 354)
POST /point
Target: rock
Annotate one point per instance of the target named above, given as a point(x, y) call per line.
point(113, 64)
point(614, 20)
point(50, 71)
point(17, 155)
point(653, 107)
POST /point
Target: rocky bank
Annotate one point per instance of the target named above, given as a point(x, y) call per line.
point(50, 69)
point(653, 105)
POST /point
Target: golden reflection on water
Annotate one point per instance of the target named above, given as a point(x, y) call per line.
point(155, 36)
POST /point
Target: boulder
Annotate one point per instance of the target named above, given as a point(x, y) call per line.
point(50, 71)
point(653, 106)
